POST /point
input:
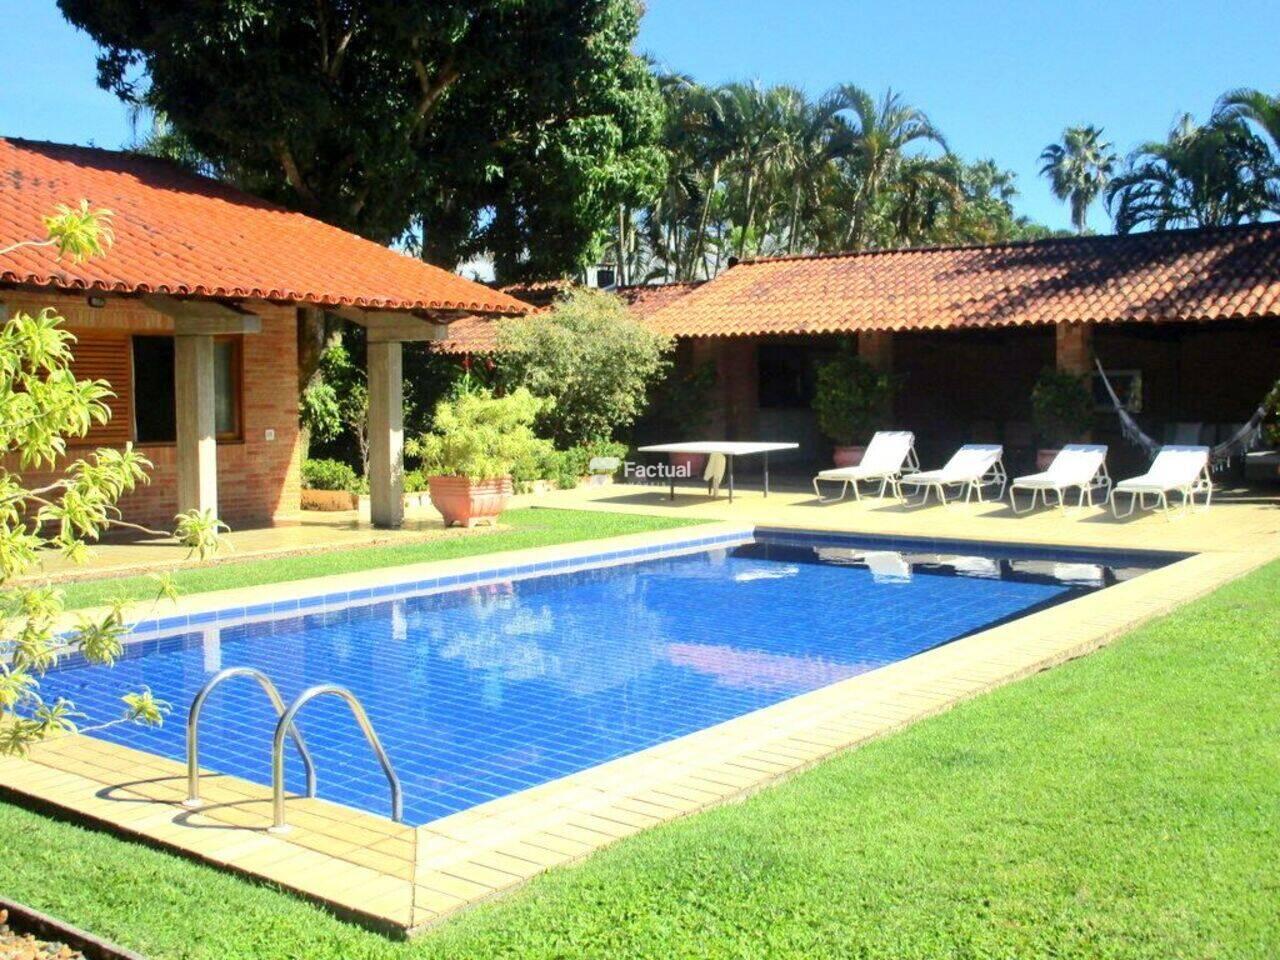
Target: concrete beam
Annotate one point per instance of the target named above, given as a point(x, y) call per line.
point(204, 317)
point(386, 433)
point(196, 423)
point(387, 326)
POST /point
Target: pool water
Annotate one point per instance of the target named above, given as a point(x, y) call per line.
point(483, 691)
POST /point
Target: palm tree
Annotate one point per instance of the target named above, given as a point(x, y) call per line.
point(1200, 176)
point(815, 139)
point(1079, 169)
point(1263, 112)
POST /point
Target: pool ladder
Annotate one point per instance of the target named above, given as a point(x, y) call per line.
point(286, 725)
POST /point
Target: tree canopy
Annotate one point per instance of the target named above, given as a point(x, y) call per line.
point(507, 127)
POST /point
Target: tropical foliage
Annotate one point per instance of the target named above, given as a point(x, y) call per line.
point(758, 170)
point(1061, 406)
point(479, 436)
point(589, 358)
point(42, 407)
point(1079, 169)
point(849, 397)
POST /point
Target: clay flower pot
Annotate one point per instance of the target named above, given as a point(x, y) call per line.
point(1044, 457)
point(848, 456)
point(466, 502)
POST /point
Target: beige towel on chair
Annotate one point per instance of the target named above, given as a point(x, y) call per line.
point(714, 473)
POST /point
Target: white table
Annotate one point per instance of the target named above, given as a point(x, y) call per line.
point(730, 449)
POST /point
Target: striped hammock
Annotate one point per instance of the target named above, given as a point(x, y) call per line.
point(1239, 442)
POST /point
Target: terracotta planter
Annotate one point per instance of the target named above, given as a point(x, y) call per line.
point(467, 502)
point(329, 500)
point(848, 456)
point(694, 463)
point(1044, 457)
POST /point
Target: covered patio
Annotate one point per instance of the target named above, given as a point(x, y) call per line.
point(193, 318)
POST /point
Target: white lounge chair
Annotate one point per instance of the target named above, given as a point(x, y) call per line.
point(1081, 466)
point(889, 455)
point(972, 467)
point(1183, 470)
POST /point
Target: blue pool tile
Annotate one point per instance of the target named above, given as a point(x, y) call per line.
point(498, 684)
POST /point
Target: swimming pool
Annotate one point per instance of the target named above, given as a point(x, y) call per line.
point(484, 688)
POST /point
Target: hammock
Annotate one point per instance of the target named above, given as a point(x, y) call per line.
point(1242, 440)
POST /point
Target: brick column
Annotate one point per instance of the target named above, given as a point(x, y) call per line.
point(739, 376)
point(197, 445)
point(386, 433)
point(875, 347)
point(1074, 347)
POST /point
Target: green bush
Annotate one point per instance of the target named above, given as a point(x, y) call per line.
point(850, 397)
point(415, 481)
point(590, 358)
point(480, 436)
point(1061, 406)
point(329, 475)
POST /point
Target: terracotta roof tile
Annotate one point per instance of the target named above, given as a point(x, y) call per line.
point(1171, 275)
point(479, 334)
point(186, 235)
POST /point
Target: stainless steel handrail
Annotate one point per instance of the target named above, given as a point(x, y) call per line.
point(362, 718)
point(193, 730)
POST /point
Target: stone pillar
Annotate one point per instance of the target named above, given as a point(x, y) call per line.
point(1074, 347)
point(197, 446)
point(386, 433)
point(875, 347)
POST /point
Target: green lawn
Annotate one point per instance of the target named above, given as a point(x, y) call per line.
point(1125, 805)
point(529, 527)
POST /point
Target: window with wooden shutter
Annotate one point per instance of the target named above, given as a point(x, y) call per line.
point(96, 357)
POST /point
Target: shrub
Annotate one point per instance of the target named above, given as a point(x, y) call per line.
point(415, 481)
point(850, 397)
point(480, 436)
point(679, 404)
point(42, 407)
point(329, 475)
point(1061, 406)
point(590, 358)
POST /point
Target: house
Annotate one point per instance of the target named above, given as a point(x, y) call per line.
point(1187, 324)
point(193, 319)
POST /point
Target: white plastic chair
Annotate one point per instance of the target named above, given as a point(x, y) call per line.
point(1080, 466)
point(972, 467)
point(889, 455)
point(1183, 470)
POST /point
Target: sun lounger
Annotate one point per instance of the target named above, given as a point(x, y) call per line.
point(1081, 466)
point(1183, 470)
point(972, 467)
point(890, 454)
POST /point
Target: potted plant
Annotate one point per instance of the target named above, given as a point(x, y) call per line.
point(680, 406)
point(850, 397)
point(475, 441)
point(1062, 411)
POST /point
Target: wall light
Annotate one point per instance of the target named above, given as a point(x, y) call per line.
point(97, 302)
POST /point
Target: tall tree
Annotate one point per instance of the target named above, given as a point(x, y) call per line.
point(883, 130)
point(1079, 169)
point(1210, 175)
point(1262, 111)
point(513, 127)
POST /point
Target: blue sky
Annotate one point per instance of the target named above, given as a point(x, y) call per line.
point(1001, 77)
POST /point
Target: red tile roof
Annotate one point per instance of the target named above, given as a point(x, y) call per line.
point(1161, 276)
point(186, 235)
point(479, 334)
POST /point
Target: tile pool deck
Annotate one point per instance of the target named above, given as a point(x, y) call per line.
point(406, 879)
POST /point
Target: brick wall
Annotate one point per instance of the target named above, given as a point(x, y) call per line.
point(258, 479)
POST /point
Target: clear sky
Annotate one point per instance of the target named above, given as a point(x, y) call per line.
point(1001, 77)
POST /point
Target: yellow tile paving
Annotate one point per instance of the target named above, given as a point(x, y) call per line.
point(401, 878)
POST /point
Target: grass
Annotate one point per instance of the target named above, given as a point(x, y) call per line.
point(528, 527)
point(1125, 805)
